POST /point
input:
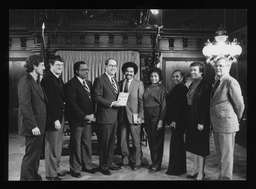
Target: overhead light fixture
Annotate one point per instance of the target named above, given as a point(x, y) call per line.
point(154, 11)
point(221, 47)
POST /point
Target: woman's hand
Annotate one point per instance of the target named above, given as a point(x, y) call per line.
point(173, 124)
point(159, 125)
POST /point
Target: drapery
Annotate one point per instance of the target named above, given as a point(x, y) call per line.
point(96, 62)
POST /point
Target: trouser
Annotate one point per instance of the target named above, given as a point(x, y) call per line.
point(53, 149)
point(31, 159)
point(155, 137)
point(106, 139)
point(224, 144)
point(80, 148)
point(135, 131)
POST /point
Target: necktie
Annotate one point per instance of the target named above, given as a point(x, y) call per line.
point(38, 79)
point(126, 86)
point(114, 85)
point(86, 87)
point(215, 87)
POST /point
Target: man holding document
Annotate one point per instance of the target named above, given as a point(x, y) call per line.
point(131, 115)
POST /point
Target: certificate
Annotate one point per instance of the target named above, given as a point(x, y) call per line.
point(122, 98)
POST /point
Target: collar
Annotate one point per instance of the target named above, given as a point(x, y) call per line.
point(34, 75)
point(109, 77)
point(55, 74)
point(80, 79)
point(216, 78)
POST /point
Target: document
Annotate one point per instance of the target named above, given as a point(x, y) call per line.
point(122, 98)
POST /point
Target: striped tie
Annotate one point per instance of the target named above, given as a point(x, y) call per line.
point(114, 85)
point(85, 86)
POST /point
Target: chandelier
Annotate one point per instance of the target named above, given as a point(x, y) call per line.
point(221, 47)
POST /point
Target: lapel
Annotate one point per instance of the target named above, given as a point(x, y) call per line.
point(56, 82)
point(37, 88)
point(105, 77)
point(219, 88)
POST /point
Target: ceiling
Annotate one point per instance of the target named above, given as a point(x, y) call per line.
point(190, 19)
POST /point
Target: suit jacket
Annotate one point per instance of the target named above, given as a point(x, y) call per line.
point(177, 105)
point(200, 104)
point(32, 106)
point(54, 91)
point(104, 95)
point(227, 106)
point(134, 102)
point(79, 102)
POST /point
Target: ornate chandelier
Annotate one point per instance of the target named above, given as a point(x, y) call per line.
point(221, 47)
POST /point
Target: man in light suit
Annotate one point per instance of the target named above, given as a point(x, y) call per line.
point(226, 110)
point(105, 94)
point(53, 86)
point(126, 121)
point(80, 116)
point(32, 117)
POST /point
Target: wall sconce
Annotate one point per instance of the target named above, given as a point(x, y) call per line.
point(221, 47)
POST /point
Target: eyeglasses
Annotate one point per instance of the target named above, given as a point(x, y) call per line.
point(59, 65)
point(113, 66)
point(84, 70)
point(220, 66)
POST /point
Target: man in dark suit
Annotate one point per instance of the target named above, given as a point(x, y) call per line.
point(32, 117)
point(127, 114)
point(105, 94)
point(226, 110)
point(53, 86)
point(81, 114)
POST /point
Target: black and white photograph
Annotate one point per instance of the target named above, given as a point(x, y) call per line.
point(128, 95)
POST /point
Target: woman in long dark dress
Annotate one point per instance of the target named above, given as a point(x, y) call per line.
point(154, 99)
point(198, 127)
point(176, 118)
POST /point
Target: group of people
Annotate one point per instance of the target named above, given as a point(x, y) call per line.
point(45, 102)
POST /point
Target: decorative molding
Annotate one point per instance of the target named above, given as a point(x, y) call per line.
point(139, 39)
point(185, 42)
point(171, 42)
point(53, 38)
point(68, 38)
point(82, 37)
point(23, 41)
point(10, 42)
point(96, 38)
point(125, 38)
point(111, 38)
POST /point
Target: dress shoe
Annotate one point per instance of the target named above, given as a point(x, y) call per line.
point(124, 165)
point(192, 176)
point(53, 178)
point(153, 170)
point(92, 171)
point(175, 173)
point(77, 175)
point(114, 167)
point(150, 166)
point(200, 178)
point(61, 174)
point(136, 168)
point(105, 172)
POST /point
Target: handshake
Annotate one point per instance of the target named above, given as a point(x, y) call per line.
point(90, 118)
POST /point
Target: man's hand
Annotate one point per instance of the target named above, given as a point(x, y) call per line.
point(200, 127)
point(57, 125)
point(115, 104)
point(36, 131)
point(89, 118)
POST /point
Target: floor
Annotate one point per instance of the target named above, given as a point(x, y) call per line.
point(17, 147)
